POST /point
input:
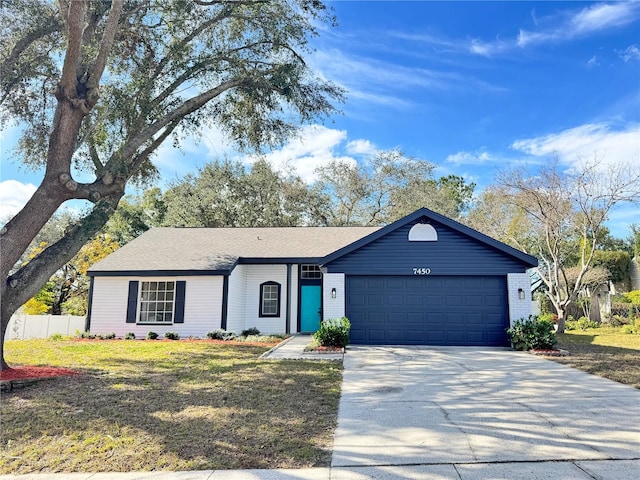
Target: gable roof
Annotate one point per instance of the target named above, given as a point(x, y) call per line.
point(436, 217)
point(207, 251)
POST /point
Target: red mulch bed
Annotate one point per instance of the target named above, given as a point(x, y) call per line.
point(28, 372)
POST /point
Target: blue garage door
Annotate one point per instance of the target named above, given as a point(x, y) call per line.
point(426, 310)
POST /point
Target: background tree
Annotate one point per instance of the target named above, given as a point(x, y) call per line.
point(387, 186)
point(226, 194)
point(135, 215)
point(565, 212)
point(173, 66)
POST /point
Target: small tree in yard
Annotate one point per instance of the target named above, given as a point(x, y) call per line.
point(565, 212)
point(99, 86)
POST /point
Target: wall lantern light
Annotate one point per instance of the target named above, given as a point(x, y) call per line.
point(521, 294)
point(333, 293)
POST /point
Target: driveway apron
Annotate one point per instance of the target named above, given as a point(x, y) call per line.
point(452, 405)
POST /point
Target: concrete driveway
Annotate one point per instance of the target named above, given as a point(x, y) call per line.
point(456, 412)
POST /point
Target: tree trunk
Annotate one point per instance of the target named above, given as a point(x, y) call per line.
point(561, 319)
point(27, 281)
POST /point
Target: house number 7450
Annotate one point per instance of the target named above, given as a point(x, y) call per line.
point(421, 271)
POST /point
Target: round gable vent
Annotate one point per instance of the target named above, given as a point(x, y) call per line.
point(423, 232)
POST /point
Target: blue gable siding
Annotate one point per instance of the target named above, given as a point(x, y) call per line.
point(454, 253)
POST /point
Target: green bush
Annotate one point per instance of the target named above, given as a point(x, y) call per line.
point(130, 336)
point(106, 336)
point(250, 331)
point(615, 320)
point(152, 336)
point(333, 332)
point(549, 317)
point(584, 324)
point(221, 334)
point(85, 335)
point(56, 337)
point(532, 333)
point(632, 296)
point(632, 328)
point(620, 308)
point(172, 335)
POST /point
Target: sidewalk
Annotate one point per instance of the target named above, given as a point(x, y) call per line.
point(293, 349)
point(576, 470)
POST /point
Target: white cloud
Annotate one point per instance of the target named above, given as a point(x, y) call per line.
point(586, 141)
point(13, 196)
point(593, 62)
point(478, 157)
point(632, 52)
point(361, 147)
point(602, 16)
point(564, 27)
point(313, 147)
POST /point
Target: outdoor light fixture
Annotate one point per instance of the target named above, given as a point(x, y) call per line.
point(521, 294)
point(333, 293)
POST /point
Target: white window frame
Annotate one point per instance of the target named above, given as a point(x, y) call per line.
point(168, 305)
point(271, 297)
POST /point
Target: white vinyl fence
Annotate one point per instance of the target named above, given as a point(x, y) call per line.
point(22, 327)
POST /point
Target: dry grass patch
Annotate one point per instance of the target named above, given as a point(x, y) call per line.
point(604, 352)
point(152, 405)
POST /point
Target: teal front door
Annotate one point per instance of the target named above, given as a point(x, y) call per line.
point(310, 308)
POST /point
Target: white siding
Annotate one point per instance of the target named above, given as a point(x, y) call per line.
point(256, 275)
point(294, 298)
point(333, 307)
point(518, 308)
point(236, 301)
point(202, 313)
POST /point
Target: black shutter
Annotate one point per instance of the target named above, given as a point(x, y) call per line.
point(132, 302)
point(180, 289)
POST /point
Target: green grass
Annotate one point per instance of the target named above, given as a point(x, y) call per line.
point(603, 351)
point(166, 405)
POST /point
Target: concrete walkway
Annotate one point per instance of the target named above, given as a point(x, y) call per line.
point(457, 414)
point(293, 349)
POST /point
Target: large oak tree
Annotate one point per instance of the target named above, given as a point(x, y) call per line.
point(98, 86)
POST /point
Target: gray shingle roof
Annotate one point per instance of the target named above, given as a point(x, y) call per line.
point(202, 249)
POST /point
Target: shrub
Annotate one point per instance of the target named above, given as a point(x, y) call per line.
point(250, 331)
point(221, 334)
point(633, 297)
point(620, 308)
point(106, 336)
point(584, 323)
point(333, 332)
point(549, 317)
point(172, 335)
point(130, 336)
point(526, 334)
point(85, 335)
point(615, 320)
point(56, 337)
point(152, 336)
point(631, 328)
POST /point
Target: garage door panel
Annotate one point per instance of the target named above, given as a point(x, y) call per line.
point(434, 301)
point(453, 300)
point(427, 310)
point(376, 318)
point(395, 299)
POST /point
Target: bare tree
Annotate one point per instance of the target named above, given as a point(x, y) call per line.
point(565, 211)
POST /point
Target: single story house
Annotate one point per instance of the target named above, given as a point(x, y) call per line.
point(424, 279)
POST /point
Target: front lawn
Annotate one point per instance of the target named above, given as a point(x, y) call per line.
point(166, 405)
point(603, 351)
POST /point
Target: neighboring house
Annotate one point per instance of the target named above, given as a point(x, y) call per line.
point(424, 279)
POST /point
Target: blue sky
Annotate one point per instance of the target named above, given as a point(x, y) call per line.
point(474, 87)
